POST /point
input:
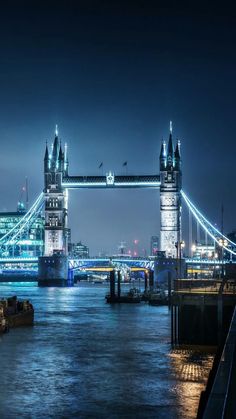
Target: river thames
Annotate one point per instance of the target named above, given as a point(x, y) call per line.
point(84, 358)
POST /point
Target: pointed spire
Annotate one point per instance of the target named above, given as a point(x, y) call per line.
point(46, 155)
point(66, 163)
point(163, 155)
point(56, 131)
point(170, 149)
point(46, 158)
point(162, 150)
point(55, 150)
point(177, 150)
point(60, 157)
point(177, 156)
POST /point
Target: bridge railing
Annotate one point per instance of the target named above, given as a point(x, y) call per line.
point(204, 286)
point(221, 401)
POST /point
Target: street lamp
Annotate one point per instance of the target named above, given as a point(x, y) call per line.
point(181, 247)
point(215, 259)
point(201, 257)
point(223, 243)
point(193, 250)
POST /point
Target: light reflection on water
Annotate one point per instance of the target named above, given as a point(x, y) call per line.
point(84, 358)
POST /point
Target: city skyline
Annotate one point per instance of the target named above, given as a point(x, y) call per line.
point(112, 79)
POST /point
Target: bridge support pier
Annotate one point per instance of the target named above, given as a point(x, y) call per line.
point(145, 281)
point(112, 284)
point(53, 271)
point(118, 284)
point(151, 280)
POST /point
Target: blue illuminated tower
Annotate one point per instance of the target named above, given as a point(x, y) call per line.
point(53, 265)
point(55, 201)
point(170, 196)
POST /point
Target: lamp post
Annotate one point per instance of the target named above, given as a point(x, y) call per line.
point(181, 246)
point(201, 257)
point(223, 243)
point(193, 249)
point(215, 258)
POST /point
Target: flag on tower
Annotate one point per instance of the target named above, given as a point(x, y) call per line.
point(125, 163)
point(100, 165)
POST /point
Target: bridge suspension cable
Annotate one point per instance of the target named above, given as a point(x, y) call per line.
point(10, 237)
point(209, 228)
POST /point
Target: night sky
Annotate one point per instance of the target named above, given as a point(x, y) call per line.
point(112, 76)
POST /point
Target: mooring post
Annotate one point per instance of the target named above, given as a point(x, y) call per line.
point(172, 325)
point(112, 283)
point(145, 280)
point(151, 280)
point(169, 290)
point(118, 283)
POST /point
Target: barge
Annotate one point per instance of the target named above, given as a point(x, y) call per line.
point(15, 313)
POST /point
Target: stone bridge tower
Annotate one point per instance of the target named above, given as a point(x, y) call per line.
point(170, 197)
point(53, 265)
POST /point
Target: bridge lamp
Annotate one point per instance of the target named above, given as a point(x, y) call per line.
point(181, 246)
point(194, 248)
point(223, 242)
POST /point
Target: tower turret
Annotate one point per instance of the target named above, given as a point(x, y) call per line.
point(163, 156)
point(46, 159)
point(60, 160)
point(66, 163)
point(177, 156)
point(170, 152)
point(55, 152)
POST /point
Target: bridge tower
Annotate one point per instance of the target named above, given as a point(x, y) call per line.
point(170, 196)
point(53, 266)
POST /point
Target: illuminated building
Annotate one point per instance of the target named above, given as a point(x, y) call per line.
point(30, 242)
point(80, 251)
point(154, 245)
point(170, 197)
point(203, 251)
point(56, 199)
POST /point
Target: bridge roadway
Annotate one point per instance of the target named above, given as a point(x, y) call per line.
point(75, 264)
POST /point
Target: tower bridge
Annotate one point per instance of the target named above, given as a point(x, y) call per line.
point(54, 264)
point(57, 181)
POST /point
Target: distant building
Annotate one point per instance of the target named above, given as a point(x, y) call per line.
point(122, 248)
point(80, 251)
point(30, 242)
point(154, 245)
point(204, 251)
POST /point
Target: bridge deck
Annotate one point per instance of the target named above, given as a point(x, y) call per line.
point(111, 180)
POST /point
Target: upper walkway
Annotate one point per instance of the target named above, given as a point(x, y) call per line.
point(112, 180)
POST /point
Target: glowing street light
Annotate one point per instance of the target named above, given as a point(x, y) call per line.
point(194, 248)
point(223, 244)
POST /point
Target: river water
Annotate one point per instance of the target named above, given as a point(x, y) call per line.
point(84, 358)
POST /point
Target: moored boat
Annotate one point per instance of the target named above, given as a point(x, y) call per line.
point(15, 313)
